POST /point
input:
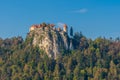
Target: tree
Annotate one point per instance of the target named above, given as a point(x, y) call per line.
point(71, 32)
point(56, 72)
point(77, 73)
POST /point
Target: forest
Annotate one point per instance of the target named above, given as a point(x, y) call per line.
point(97, 59)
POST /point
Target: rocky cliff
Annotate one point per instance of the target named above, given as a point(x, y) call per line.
point(52, 40)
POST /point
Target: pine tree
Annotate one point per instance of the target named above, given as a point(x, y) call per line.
point(71, 32)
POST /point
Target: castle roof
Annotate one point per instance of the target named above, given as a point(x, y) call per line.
point(37, 26)
point(52, 25)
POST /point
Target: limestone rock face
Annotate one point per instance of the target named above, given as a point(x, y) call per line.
point(53, 42)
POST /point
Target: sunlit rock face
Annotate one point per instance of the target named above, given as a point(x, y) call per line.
point(52, 40)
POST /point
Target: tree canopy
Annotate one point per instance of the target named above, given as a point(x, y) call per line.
point(97, 59)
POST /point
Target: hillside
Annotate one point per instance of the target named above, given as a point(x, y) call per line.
point(97, 59)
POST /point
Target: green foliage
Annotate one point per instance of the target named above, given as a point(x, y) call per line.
point(97, 59)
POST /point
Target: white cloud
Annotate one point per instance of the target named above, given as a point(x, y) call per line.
point(82, 10)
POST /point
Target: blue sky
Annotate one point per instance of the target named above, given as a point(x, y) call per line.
point(93, 17)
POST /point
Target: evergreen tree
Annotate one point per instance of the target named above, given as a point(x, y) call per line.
point(71, 32)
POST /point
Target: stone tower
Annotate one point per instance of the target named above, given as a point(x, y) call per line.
point(65, 28)
point(32, 28)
